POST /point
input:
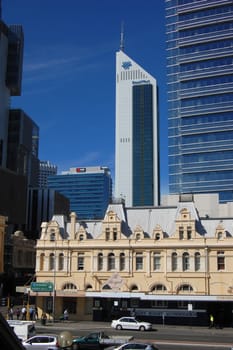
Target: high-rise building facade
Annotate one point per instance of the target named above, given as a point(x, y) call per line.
point(136, 140)
point(11, 58)
point(23, 145)
point(46, 169)
point(89, 190)
point(200, 96)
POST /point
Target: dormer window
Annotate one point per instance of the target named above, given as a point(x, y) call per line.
point(52, 236)
point(157, 236)
point(220, 235)
point(138, 236)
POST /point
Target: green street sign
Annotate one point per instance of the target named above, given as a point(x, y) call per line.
point(42, 286)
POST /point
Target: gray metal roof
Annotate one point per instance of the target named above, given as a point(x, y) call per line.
point(149, 218)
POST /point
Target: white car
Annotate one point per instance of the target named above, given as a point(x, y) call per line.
point(133, 346)
point(131, 323)
point(42, 342)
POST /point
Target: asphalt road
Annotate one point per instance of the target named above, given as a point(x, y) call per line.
point(165, 337)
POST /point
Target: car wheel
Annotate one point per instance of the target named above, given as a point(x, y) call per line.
point(75, 346)
point(141, 328)
point(119, 327)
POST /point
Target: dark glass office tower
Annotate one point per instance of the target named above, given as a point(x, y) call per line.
point(200, 96)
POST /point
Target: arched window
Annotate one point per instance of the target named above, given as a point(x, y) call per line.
point(158, 288)
point(185, 261)
point(42, 257)
point(122, 261)
point(174, 261)
point(185, 288)
point(106, 287)
point(88, 287)
point(51, 261)
point(197, 261)
point(134, 288)
point(111, 261)
point(61, 261)
point(100, 262)
point(69, 286)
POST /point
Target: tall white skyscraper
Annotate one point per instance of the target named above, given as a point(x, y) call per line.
point(136, 139)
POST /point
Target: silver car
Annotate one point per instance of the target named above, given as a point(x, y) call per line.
point(131, 323)
point(133, 346)
point(42, 342)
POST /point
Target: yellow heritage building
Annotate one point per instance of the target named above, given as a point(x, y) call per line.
point(166, 264)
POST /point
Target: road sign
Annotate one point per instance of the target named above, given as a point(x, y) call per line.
point(42, 286)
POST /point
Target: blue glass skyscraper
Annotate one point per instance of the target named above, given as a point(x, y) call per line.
point(89, 190)
point(200, 96)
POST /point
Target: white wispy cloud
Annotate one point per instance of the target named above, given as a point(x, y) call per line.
point(60, 61)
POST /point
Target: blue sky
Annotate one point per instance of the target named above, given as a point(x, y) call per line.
point(69, 72)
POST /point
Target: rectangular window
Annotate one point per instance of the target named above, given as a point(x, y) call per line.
point(189, 232)
point(220, 261)
point(114, 234)
point(80, 262)
point(157, 261)
point(139, 261)
point(181, 233)
point(107, 234)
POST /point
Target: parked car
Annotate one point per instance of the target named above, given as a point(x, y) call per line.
point(98, 340)
point(131, 323)
point(42, 342)
point(133, 346)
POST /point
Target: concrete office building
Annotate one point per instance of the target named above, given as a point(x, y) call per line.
point(89, 190)
point(136, 141)
point(200, 98)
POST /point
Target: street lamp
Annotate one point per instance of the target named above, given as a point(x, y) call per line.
point(54, 277)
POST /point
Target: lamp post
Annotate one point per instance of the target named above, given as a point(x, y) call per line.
point(54, 280)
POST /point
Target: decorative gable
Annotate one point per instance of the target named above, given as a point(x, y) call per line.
point(111, 227)
point(50, 231)
point(220, 232)
point(185, 225)
point(81, 234)
point(138, 233)
point(158, 233)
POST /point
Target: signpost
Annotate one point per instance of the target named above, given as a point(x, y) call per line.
point(42, 286)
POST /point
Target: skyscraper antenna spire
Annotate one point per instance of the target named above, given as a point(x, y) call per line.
point(122, 37)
